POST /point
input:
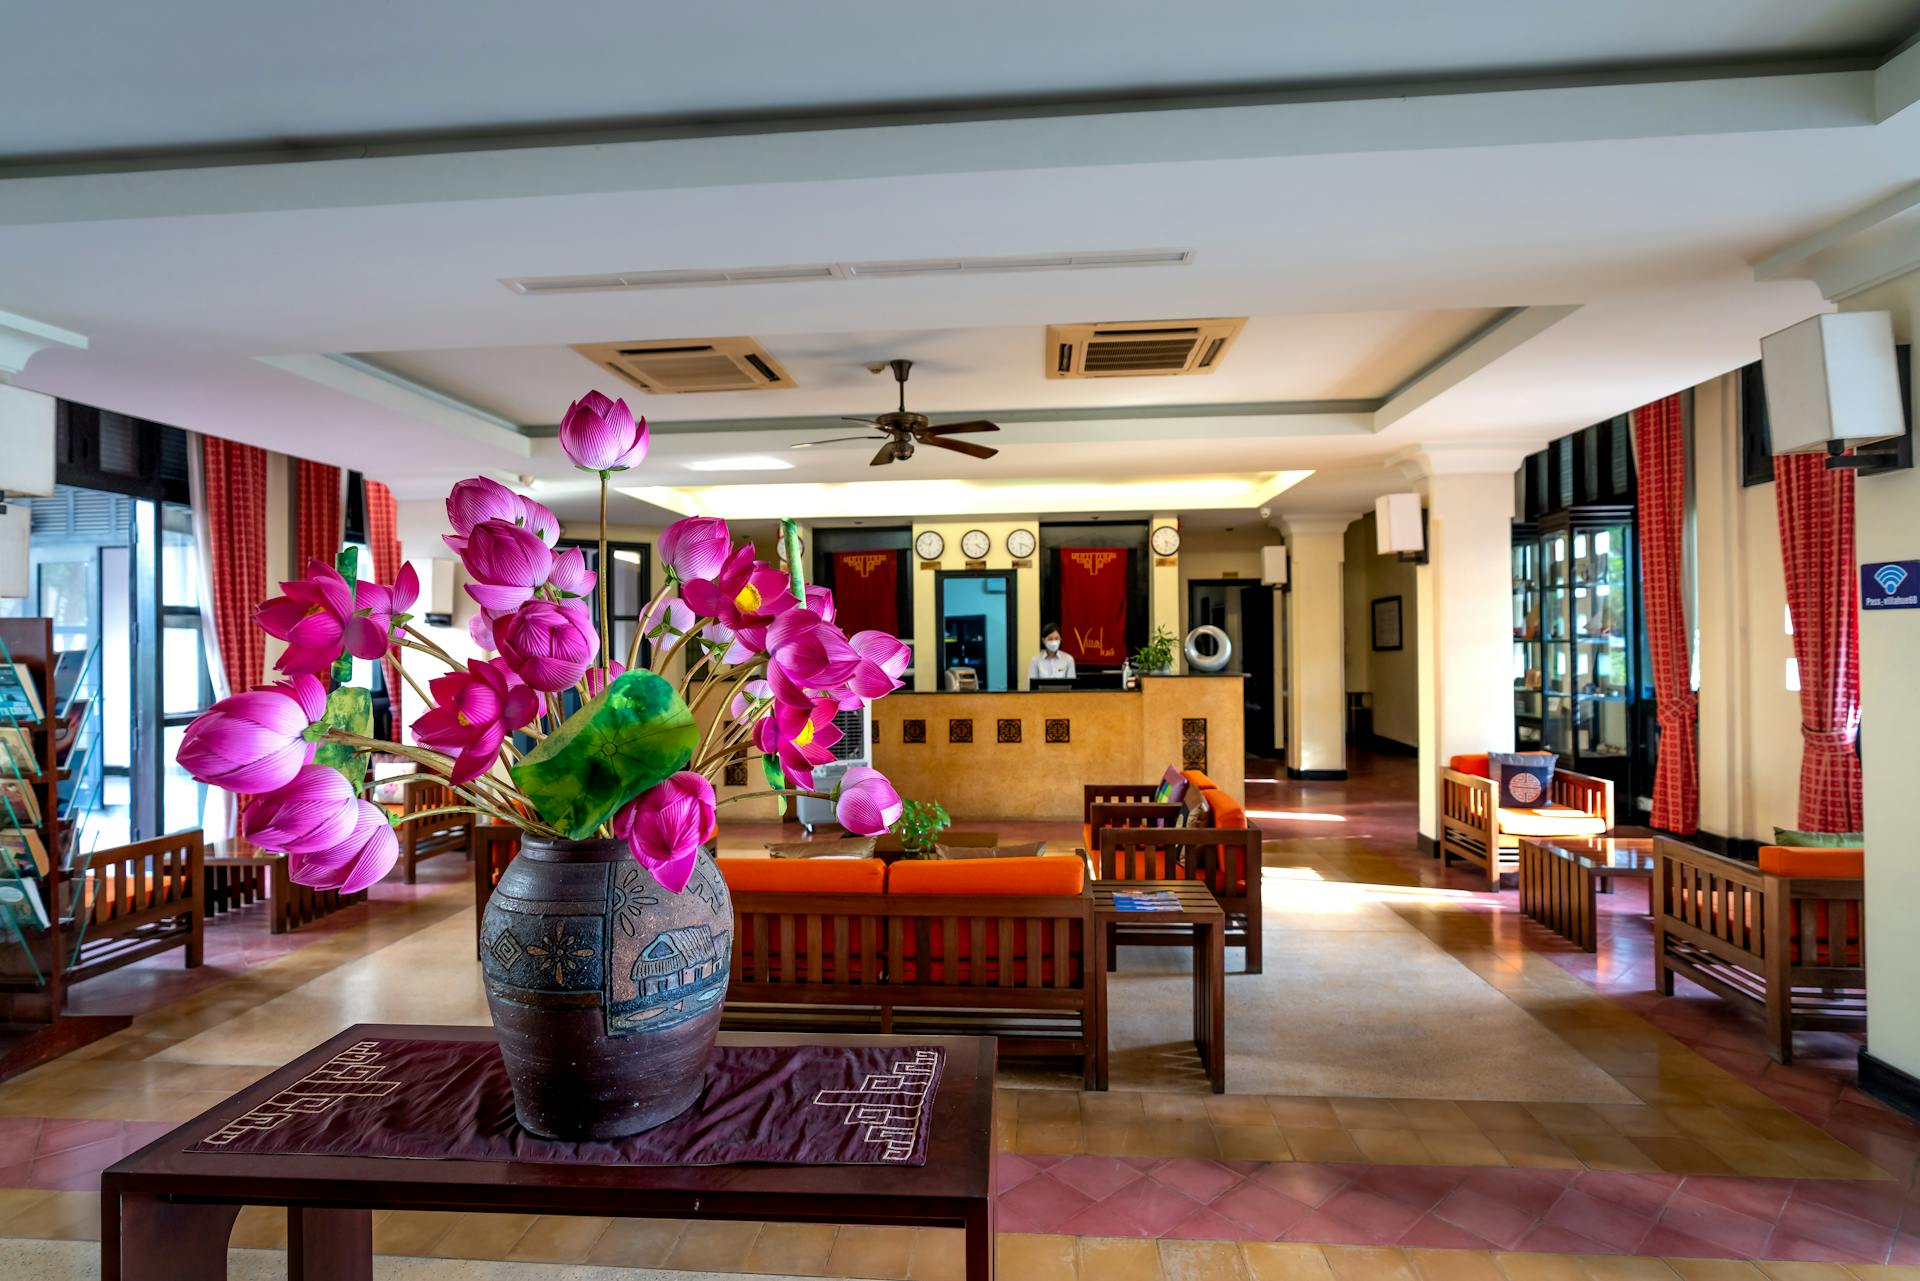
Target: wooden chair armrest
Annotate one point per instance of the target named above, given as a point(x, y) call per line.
point(1092, 794)
point(1135, 814)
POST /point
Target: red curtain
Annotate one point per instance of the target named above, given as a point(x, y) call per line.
point(865, 591)
point(317, 498)
point(1823, 597)
point(236, 516)
point(383, 537)
point(1660, 458)
point(1093, 604)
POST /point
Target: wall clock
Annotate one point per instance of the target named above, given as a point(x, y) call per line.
point(1166, 541)
point(975, 544)
point(780, 549)
point(929, 545)
point(1020, 544)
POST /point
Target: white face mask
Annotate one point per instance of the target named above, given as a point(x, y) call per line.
point(1052, 646)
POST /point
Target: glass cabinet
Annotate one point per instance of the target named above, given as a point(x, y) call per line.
point(1528, 665)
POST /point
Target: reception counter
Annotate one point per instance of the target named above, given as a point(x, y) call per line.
point(1027, 755)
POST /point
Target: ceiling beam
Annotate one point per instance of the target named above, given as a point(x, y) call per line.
point(1896, 83)
point(435, 409)
point(1855, 253)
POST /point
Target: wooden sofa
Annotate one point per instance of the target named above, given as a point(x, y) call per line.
point(1785, 936)
point(137, 901)
point(1475, 827)
point(994, 946)
point(425, 838)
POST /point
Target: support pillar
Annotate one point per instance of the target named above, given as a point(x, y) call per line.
point(1316, 646)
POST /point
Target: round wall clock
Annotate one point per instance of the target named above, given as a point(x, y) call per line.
point(1020, 544)
point(975, 544)
point(1166, 541)
point(929, 545)
point(780, 549)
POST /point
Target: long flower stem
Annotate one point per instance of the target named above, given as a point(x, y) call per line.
point(778, 791)
point(426, 646)
point(604, 584)
point(665, 657)
point(646, 617)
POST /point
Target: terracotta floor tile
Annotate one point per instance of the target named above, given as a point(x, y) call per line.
point(939, 1254)
point(1503, 1116)
point(1323, 1145)
point(1302, 1113)
point(1046, 1105)
point(1534, 1151)
point(1283, 1261)
point(1805, 1271)
point(1174, 1107)
point(1252, 1143)
point(1238, 1109)
point(559, 1238)
point(1048, 1136)
point(1369, 1263)
point(1569, 1118)
point(1625, 1267)
point(635, 1243)
point(1609, 1152)
point(1374, 1114)
point(1448, 1148)
point(1541, 1267)
point(482, 1236)
point(1716, 1270)
point(1391, 1147)
point(1201, 1261)
point(1683, 1156)
point(409, 1232)
point(1455, 1265)
point(1118, 1259)
point(1021, 1257)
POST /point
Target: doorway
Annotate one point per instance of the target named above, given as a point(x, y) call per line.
point(1244, 611)
point(974, 617)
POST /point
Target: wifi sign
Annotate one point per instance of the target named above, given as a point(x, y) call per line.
point(1891, 584)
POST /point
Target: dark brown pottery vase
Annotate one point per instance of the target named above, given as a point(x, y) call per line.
point(605, 989)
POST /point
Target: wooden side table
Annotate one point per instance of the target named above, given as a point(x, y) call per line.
point(1193, 907)
point(239, 873)
point(1559, 877)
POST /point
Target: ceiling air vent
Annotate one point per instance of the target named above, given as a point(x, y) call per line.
point(1139, 348)
point(690, 364)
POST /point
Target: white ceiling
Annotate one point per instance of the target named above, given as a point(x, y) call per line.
point(1617, 218)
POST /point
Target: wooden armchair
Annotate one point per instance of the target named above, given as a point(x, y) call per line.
point(1227, 859)
point(136, 901)
point(424, 838)
point(1792, 946)
point(1474, 827)
point(1122, 805)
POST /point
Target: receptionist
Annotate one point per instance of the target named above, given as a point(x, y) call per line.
point(1050, 663)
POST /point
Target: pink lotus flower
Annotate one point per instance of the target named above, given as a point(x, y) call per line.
point(696, 547)
point(311, 618)
point(312, 811)
point(666, 825)
point(256, 741)
point(801, 736)
point(747, 698)
point(666, 620)
point(810, 650)
point(570, 576)
point(598, 679)
point(820, 601)
point(743, 597)
point(866, 803)
point(480, 628)
point(539, 520)
point(600, 435)
point(883, 661)
point(474, 501)
point(367, 853)
point(508, 564)
point(380, 612)
point(474, 712)
point(549, 645)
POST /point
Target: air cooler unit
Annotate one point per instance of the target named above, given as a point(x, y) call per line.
point(856, 735)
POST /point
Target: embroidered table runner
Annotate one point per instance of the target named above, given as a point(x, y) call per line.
point(783, 1105)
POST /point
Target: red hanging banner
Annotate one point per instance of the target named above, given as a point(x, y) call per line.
point(1093, 604)
point(865, 591)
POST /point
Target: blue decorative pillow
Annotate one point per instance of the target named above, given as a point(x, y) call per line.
point(1172, 788)
point(1525, 778)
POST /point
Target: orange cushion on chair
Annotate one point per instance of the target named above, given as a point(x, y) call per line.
point(803, 875)
point(1838, 863)
point(1199, 782)
point(1040, 875)
point(1551, 820)
point(1473, 763)
point(1226, 811)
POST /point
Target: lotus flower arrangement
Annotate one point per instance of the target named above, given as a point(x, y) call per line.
point(633, 761)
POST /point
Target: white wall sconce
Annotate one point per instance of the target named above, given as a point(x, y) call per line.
point(1400, 527)
point(1833, 385)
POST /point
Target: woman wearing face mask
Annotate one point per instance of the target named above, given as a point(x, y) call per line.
point(1050, 663)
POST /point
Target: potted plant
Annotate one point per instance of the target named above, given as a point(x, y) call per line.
point(919, 826)
point(605, 950)
point(1155, 658)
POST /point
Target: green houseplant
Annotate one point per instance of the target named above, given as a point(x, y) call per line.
point(1156, 656)
point(920, 825)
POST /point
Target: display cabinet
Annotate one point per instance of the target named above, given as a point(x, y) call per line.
point(1528, 663)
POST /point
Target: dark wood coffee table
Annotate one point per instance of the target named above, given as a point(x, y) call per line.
point(166, 1213)
point(1559, 877)
point(1194, 909)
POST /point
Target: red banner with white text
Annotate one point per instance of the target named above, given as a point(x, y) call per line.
point(1093, 604)
point(866, 591)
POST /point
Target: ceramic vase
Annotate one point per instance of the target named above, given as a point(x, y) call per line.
point(605, 988)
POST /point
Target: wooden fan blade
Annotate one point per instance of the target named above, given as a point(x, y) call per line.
point(959, 447)
point(835, 440)
point(959, 429)
point(884, 457)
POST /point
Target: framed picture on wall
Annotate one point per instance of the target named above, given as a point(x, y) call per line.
point(1386, 622)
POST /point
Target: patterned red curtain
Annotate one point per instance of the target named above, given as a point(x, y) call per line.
point(865, 591)
point(383, 536)
point(1093, 604)
point(317, 533)
point(1816, 545)
point(236, 515)
point(1660, 459)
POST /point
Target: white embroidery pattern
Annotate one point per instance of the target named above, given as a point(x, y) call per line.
point(888, 1106)
point(352, 1073)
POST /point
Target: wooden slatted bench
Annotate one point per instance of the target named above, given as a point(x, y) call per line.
point(239, 874)
point(137, 901)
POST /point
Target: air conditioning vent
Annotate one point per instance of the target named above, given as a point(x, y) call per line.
point(690, 364)
point(1139, 348)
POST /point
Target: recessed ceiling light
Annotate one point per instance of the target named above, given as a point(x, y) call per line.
point(743, 462)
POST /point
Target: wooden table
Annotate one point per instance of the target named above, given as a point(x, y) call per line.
point(1559, 877)
point(239, 873)
point(1195, 909)
point(166, 1213)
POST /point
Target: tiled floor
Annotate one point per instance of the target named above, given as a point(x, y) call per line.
point(1713, 1163)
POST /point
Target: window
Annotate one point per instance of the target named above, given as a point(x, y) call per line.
point(1793, 662)
point(186, 685)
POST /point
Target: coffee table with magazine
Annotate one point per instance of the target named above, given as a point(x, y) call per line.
point(1559, 877)
point(1188, 905)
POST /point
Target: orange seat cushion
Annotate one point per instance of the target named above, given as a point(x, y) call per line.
point(1551, 820)
point(803, 875)
point(1226, 811)
point(1474, 763)
point(1044, 874)
point(1838, 863)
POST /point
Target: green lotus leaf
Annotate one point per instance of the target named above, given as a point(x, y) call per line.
point(632, 736)
point(349, 708)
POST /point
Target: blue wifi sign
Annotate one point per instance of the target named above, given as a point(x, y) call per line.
point(1890, 584)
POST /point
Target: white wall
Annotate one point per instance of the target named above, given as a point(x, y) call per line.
point(1392, 677)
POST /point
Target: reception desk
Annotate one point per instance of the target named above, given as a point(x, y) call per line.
point(1027, 755)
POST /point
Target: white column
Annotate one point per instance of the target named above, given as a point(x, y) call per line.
point(1463, 624)
point(1316, 650)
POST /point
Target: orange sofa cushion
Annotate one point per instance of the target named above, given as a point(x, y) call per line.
point(1199, 782)
point(1838, 863)
point(1474, 763)
point(1044, 874)
point(803, 875)
point(1551, 820)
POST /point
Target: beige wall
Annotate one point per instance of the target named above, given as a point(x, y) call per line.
point(1026, 587)
point(1392, 677)
point(1316, 649)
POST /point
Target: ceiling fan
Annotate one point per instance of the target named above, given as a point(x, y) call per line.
point(900, 430)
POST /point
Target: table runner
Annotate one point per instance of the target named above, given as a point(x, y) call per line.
point(784, 1105)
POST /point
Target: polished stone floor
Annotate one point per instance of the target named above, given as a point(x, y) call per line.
point(1582, 1128)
